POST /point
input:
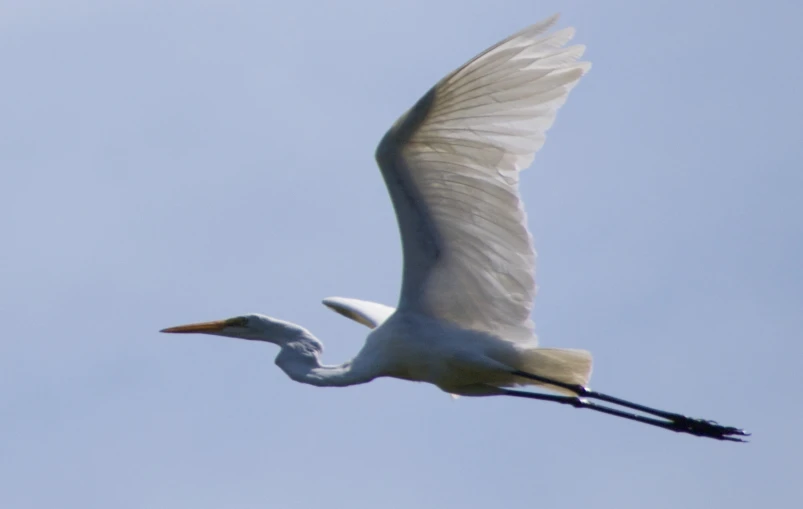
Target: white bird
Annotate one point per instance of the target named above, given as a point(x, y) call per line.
point(451, 165)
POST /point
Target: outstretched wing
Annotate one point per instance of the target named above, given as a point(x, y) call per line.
point(451, 165)
point(370, 314)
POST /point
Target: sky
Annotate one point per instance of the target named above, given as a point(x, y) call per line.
point(169, 162)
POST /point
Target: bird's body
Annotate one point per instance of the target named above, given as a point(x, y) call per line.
point(415, 347)
point(451, 165)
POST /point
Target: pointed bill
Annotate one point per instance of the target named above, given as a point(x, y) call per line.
point(215, 326)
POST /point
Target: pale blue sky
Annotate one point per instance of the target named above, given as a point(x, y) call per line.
point(162, 163)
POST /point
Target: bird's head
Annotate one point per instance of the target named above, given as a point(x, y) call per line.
point(253, 327)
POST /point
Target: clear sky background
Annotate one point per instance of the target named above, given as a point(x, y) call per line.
point(170, 162)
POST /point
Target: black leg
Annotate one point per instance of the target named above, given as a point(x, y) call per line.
point(673, 421)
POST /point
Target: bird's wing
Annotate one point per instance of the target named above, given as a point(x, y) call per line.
point(451, 165)
point(370, 314)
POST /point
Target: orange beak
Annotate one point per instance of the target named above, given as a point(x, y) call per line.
point(215, 326)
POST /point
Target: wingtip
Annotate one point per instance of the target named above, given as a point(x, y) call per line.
point(584, 67)
point(551, 20)
point(330, 302)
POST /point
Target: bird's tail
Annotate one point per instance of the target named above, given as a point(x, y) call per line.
point(565, 365)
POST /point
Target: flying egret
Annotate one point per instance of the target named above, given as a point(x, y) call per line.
point(451, 165)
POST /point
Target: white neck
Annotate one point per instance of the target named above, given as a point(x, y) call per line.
point(299, 358)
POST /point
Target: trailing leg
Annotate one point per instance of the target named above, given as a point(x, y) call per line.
point(672, 421)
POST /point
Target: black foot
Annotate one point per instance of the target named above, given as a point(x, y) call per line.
point(710, 429)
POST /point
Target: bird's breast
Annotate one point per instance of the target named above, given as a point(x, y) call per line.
point(421, 351)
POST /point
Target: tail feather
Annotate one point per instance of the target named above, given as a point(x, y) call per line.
point(565, 365)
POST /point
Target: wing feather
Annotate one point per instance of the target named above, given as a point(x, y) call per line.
point(451, 165)
point(370, 314)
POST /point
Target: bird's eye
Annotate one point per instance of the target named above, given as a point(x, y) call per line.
point(240, 321)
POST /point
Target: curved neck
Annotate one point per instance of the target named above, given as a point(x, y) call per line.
point(300, 359)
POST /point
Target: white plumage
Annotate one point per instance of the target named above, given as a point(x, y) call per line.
point(451, 165)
